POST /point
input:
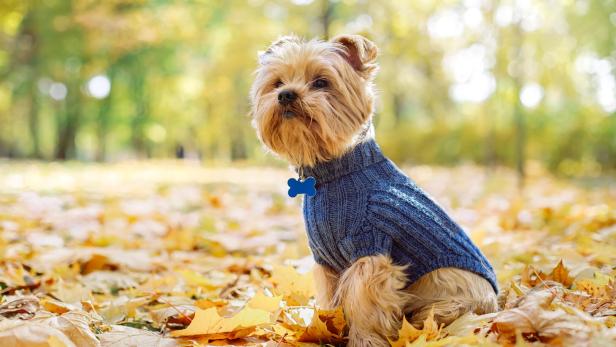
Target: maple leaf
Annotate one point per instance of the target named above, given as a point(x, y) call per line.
point(561, 274)
point(408, 333)
point(531, 277)
point(325, 327)
point(265, 303)
point(295, 287)
point(209, 322)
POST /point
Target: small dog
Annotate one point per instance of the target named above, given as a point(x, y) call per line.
point(383, 248)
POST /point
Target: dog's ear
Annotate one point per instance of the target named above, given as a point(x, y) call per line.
point(359, 52)
point(262, 55)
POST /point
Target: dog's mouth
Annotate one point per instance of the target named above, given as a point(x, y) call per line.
point(288, 114)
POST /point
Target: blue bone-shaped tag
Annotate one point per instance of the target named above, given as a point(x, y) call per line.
point(298, 187)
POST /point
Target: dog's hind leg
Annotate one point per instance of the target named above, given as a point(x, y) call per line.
point(326, 281)
point(451, 293)
point(372, 296)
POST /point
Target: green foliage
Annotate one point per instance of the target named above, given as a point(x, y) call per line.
point(452, 80)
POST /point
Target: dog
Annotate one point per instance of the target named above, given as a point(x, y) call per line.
point(383, 248)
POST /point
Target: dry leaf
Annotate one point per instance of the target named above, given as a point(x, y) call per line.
point(195, 279)
point(21, 308)
point(560, 274)
point(75, 326)
point(408, 333)
point(208, 322)
point(17, 333)
point(55, 306)
point(326, 327)
point(266, 303)
point(533, 315)
point(296, 288)
point(531, 277)
point(131, 337)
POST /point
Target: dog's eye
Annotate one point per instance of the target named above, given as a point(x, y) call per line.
point(278, 84)
point(320, 83)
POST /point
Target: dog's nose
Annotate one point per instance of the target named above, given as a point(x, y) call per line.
point(286, 97)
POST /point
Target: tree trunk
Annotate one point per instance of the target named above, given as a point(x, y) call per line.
point(104, 118)
point(518, 111)
point(326, 17)
point(33, 116)
point(138, 136)
point(67, 132)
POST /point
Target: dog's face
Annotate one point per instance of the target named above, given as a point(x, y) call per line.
point(310, 99)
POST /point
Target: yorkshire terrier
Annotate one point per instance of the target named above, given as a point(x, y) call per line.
point(384, 249)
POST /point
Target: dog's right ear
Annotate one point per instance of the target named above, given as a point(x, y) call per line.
point(359, 52)
point(262, 55)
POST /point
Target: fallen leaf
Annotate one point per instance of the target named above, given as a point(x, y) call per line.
point(408, 333)
point(266, 303)
point(19, 307)
point(534, 315)
point(295, 287)
point(531, 277)
point(208, 322)
point(195, 279)
point(131, 337)
point(17, 333)
point(326, 327)
point(560, 274)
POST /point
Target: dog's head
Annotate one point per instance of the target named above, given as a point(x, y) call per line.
point(310, 98)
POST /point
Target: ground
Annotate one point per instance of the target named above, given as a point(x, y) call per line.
point(170, 253)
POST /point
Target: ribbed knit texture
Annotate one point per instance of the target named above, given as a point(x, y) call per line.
point(366, 206)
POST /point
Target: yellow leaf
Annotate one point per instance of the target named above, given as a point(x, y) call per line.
point(561, 274)
point(206, 303)
point(320, 332)
point(266, 303)
point(54, 341)
point(409, 333)
point(334, 319)
point(95, 263)
point(207, 322)
point(195, 279)
point(296, 288)
point(55, 306)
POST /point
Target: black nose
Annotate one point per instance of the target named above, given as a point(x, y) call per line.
point(286, 97)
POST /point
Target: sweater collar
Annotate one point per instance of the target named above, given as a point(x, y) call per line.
point(362, 155)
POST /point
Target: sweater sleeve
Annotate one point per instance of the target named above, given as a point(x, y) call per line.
point(364, 244)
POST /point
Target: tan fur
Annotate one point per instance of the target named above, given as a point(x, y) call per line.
point(327, 123)
point(452, 292)
point(326, 282)
point(371, 292)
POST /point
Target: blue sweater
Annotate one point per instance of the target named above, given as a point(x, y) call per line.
point(366, 206)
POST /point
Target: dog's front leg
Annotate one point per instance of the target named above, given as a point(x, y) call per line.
point(326, 282)
point(371, 293)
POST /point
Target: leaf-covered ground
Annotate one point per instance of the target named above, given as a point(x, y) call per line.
point(168, 254)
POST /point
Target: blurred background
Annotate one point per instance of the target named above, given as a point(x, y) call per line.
point(497, 83)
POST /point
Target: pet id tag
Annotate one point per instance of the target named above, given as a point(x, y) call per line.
point(302, 187)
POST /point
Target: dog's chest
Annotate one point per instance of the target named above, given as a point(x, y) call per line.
point(336, 211)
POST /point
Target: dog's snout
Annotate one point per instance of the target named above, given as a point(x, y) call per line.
point(286, 97)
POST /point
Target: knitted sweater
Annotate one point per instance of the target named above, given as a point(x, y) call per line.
point(366, 206)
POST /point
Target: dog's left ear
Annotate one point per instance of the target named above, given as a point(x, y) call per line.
point(359, 52)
